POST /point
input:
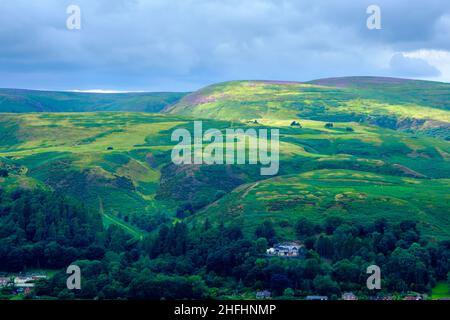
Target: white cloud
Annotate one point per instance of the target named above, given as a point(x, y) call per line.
point(102, 91)
point(440, 59)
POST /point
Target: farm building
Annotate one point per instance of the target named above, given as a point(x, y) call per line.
point(349, 296)
point(23, 282)
point(4, 281)
point(286, 249)
point(316, 298)
point(263, 294)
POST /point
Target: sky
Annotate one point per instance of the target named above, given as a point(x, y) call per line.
point(183, 45)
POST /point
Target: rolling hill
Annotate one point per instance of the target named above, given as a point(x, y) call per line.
point(417, 106)
point(353, 195)
point(19, 101)
point(119, 163)
point(386, 153)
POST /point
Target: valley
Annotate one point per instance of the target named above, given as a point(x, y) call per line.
point(364, 178)
point(120, 162)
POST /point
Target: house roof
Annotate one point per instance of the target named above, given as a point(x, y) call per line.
point(316, 297)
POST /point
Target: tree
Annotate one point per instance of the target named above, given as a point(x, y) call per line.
point(185, 210)
point(288, 293)
point(266, 230)
point(331, 224)
point(234, 232)
point(261, 245)
point(324, 246)
point(324, 285)
point(387, 243)
point(380, 225)
point(346, 273)
point(278, 283)
point(406, 270)
point(179, 242)
point(304, 228)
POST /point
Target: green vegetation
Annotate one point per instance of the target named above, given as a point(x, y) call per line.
point(323, 171)
point(441, 291)
point(363, 158)
point(16, 100)
point(44, 230)
point(418, 106)
point(352, 195)
point(219, 262)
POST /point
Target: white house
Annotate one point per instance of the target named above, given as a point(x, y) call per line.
point(4, 281)
point(286, 249)
point(23, 282)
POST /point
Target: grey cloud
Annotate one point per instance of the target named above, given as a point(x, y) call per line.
point(412, 67)
point(185, 44)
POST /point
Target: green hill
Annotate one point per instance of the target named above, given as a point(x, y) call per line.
point(353, 195)
point(17, 101)
point(120, 163)
point(418, 106)
point(366, 148)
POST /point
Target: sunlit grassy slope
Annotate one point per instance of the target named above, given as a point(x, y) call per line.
point(441, 291)
point(120, 164)
point(353, 195)
point(418, 106)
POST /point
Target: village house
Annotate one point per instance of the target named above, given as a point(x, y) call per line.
point(286, 249)
point(263, 294)
point(39, 277)
point(23, 282)
point(4, 281)
point(412, 297)
point(312, 298)
point(349, 296)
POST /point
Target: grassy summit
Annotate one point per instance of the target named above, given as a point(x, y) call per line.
point(421, 106)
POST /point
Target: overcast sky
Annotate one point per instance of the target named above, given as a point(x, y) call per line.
point(182, 45)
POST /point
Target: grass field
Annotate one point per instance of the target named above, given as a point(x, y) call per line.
point(109, 219)
point(441, 291)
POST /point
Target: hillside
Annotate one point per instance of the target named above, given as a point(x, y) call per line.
point(119, 163)
point(19, 101)
point(354, 195)
point(383, 153)
point(418, 106)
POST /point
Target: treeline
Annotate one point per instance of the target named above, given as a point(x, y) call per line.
point(217, 261)
point(208, 260)
point(40, 229)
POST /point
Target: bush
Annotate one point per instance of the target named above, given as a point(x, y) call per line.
point(3, 173)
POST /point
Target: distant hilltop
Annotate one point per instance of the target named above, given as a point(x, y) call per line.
point(386, 102)
point(405, 104)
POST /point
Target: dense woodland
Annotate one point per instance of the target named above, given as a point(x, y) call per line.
point(44, 230)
